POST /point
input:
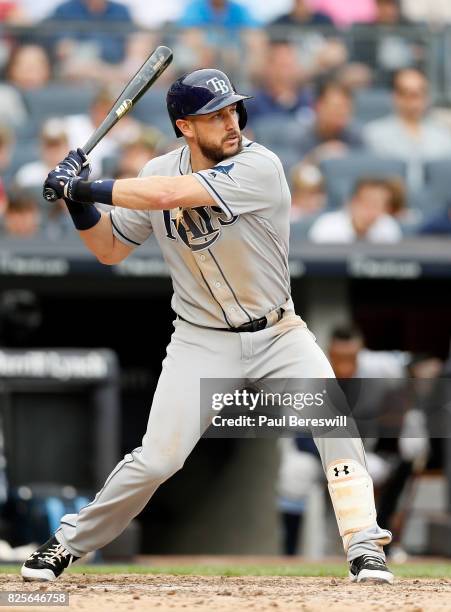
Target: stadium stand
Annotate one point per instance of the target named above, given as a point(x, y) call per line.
point(341, 174)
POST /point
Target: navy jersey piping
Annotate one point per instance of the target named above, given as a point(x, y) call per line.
point(229, 286)
point(216, 193)
point(120, 233)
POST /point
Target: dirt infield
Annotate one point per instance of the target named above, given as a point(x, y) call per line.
point(164, 593)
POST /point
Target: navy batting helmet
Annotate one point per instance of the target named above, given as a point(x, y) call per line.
point(201, 92)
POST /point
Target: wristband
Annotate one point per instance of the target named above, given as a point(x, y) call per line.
point(84, 215)
point(92, 191)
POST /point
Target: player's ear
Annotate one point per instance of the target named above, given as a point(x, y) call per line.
point(185, 127)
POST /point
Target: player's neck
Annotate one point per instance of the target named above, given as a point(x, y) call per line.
point(200, 162)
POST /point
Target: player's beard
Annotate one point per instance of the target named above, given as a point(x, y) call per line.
point(216, 153)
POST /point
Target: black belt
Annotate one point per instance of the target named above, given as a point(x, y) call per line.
point(252, 326)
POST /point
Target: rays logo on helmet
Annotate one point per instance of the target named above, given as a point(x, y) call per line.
point(219, 85)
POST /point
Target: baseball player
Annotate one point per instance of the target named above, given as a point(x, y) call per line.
point(219, 208)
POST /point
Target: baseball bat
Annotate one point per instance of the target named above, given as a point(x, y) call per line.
point(149, 72)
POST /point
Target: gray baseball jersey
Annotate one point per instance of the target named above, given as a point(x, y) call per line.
point(229, 263)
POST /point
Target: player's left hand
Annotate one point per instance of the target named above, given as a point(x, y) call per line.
point(72, 168)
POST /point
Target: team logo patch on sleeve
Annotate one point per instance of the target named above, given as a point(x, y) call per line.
point(224, 169)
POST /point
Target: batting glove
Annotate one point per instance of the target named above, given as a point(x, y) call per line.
point(74, 167)
point(74, 163)
point(84, 175)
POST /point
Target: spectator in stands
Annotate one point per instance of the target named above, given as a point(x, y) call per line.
point(283, 90)
point(76, 65)
point(268, 10)
point(424, 11)
point(36, 11)
point(109, 47)
point(397, 206)
point(319, 54)
point(21, 218)
point(215, 31)
point(135, 154)
point(80, 127)
point(217, 13)
point(331, 131)
point(53, 146)
point(28, 67)
point(12, 108)
point(302, 14)
point(162, 13)
point(388, 13)
point(7, 142)
point(365, 217)
point(409, 134)
point(350, 358)
point(54, 143)
point(12, 12)
point(308, 196)
point(388, 51)
point(346, 13)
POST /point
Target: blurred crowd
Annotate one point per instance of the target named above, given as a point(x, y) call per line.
point(346, 93)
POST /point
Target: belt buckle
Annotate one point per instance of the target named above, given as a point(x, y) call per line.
point(259, 324)
point(252, 326)
point(273, 317)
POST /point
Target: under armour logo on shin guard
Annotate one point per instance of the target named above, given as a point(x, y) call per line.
point(344, 469)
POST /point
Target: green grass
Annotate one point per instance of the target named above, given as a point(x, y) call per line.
point(408, 570)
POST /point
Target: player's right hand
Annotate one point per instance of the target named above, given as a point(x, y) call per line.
point(84, 175)
point(75, 163)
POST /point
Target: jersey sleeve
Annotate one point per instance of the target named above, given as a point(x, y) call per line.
point(250, 182)
point(132, 227)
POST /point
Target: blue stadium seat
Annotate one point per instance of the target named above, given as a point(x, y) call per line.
point(427, 203)
point(58, 100)
point(151, 109)
point(341, 174)
point(28, 131)
point(299, 229)
point(21, 155)
point(372, 104)
point(280, 134)
point(437, 175)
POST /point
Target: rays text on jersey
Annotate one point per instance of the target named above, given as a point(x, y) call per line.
point(198, 228)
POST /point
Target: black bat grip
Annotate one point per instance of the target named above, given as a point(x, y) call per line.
point(50, 194)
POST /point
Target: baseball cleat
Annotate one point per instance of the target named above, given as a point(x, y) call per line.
point(369, 568)
point(47, 562)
